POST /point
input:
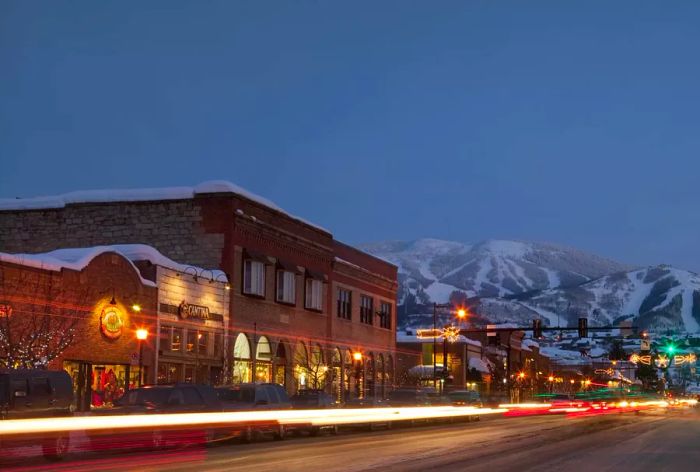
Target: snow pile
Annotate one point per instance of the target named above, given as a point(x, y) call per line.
point(78, 258)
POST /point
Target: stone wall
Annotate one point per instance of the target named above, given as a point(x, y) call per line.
point(173, 227)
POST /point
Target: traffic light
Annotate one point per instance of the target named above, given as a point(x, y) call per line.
point(536, 329)
point(583, 327)
point(669, 348)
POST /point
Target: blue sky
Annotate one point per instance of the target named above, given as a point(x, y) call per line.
point(568, 122)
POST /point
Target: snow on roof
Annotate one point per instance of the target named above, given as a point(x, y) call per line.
point(403, 337)
point(478, 364)
point(75, 259)
point(530, 343)
point(139, 195)
point(78, 258)
point(143, 252)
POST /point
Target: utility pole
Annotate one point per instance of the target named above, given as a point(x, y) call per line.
point(434, 346)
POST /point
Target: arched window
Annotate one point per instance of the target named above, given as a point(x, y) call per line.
point(301, 366)
point(241, 360)
point(281, 363)
point(317, 369)
point(381, 376)
point(263, 360)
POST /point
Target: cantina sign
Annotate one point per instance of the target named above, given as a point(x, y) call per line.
point(186, 310)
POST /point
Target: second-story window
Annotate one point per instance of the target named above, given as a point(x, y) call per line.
point(253, 277)
point(286, 286)
point(313, 297)
point(344, 304)
point(385, 315)
point(366, 309)
point(176, 344)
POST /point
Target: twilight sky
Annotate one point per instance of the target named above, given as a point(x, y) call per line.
point(568, 122)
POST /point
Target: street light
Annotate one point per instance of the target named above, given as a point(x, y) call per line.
point(359, 387)
point(141, 335)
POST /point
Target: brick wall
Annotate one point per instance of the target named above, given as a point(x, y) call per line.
point(83, 295)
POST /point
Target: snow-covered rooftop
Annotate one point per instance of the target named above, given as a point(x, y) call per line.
point(78, 258)
point(403, 337)
point(74, 259)
point(142, 194)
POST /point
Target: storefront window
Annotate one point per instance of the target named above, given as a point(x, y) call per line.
point(165, 332)
point(109, 383)
point(203, 343)
point(263, 358)
point(168, 373)
point(191, 340)
point(176, 345)
point(218, 344)
point(242, 366)
point(189, 374)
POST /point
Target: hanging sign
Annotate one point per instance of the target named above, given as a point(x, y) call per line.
point(111, 322)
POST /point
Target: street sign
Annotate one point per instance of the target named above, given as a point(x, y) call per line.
point(645, 345)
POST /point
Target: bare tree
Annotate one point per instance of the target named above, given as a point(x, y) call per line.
point(312, 364)
point(40, 318)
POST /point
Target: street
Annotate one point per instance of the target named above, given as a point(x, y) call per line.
point(655, 440)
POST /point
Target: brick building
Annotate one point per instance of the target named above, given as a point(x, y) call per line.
point(305, 309)
point(77, 310)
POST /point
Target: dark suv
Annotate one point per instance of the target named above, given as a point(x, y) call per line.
point(34, 393)
point(314, 399)
point(250, 396)
point(160, 399)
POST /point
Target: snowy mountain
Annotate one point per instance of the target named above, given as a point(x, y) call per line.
point(656, 298)
point(432, 269)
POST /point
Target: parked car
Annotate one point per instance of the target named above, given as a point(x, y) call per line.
point(369, 402)
point(408, 397)
point(465, 398)
point(250, 396)
point(161, 399)
point(35, 393)
point(314, 399)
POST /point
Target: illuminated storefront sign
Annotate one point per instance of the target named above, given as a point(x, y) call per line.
point(186, 310)
point(111, 322)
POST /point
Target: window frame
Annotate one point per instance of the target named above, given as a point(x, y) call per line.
point(344, 307)
point(385, 317)
point(366, 312)
point(280, 284)
point(308, 281)
point(249, 291)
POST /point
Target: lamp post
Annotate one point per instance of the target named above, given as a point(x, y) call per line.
point(437, 306)
point(141, 335)
point(196, 357)
point(357, 356)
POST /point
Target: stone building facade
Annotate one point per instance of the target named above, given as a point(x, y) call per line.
point(306, 310)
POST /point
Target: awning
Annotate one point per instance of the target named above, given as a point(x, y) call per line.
point(478, 364)
point(256, 256)
point(310, 274)
point(286, 265)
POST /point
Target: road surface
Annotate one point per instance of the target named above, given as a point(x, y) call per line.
point(651, 441)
